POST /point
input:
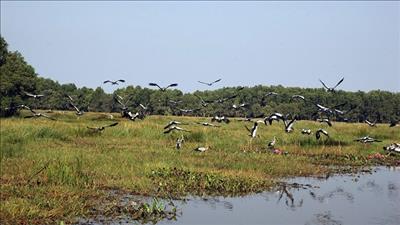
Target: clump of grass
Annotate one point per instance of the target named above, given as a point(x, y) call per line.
point(196, 137)
point(68, 173)
point(47, 132)
point(180, 182)
point(11, 146)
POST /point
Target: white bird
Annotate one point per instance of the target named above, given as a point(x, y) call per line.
point(173, 122)
point(319, 131)
point(253, 130)
point(298, 97)
point(163, 88)
point(201, 149)
point(328, 89)
point(239, 106)
point(209, 84)
point(220, 119)
point(394, 147)
point(367, 139)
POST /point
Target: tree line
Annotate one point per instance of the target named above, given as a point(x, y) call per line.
point(17, 76)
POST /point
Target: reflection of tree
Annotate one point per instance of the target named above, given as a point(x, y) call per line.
point(324, 218)
point(283, 189)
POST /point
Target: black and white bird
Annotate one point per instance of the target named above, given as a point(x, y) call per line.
point(298, 97)
point(98, 129)
point(253, 130)
point(220, 119)
point(367, 139)
point(207, 124)
point(32, 95)
point(289, 126)
point(234, 106)
point(202, 101)
point(318, 133)
point(306, 131)
point(174, 127)
point(333, 88)
point(188, 110)
point(37, 114)
point(394, 147)
point(371, 124)
point(209, 84)
point(163, 88)
point(271, 94)
point(272, 143)
point(175, 102)
point(179, 142)
point(222, 100)
point(114, 82)
point(274, 116)
point(172, 123)
point(325, 120)
point(78, 111)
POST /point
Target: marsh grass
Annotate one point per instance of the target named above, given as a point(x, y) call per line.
point(137, 157)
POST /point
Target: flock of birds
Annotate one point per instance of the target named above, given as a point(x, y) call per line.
point(175, 126)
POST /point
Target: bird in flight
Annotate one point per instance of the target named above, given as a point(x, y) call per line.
point(253, 130)
point(318, 133)
point(36, 114)
point(172, 128)
point(78, 111)
point(113, 82)
point(163, 88)
point(98, 129)
point(209, 84)
point(367, 139)
point(32, 95)
point(329, 89)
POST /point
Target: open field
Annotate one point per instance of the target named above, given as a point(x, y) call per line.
point(58, 170)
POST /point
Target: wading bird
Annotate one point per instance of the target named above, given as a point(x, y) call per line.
point(163, 88)
point(32, 95)
point(328, 89)
point(172, 128)
point(209, 84)
point(114, 82)
point(253, 130)
point(98, 129)
point(318, 133)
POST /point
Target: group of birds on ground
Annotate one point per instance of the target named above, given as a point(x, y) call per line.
point(173, 125)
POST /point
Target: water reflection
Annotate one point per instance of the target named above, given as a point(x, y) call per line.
point(367, 198)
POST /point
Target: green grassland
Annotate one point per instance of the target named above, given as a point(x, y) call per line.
point(58, 170)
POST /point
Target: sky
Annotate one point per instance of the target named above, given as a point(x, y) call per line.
point(287, 43)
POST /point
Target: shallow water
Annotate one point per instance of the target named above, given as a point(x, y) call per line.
point(345, 199)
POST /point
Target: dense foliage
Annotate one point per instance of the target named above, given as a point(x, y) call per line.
point(16, 76)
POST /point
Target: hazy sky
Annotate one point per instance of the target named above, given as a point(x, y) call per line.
point(244, 43)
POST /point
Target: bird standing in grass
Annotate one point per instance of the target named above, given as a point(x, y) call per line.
point(179, 142)
point(272, 143)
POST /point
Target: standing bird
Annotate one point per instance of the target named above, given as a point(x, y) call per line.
point(32, 95)
point(253, 130)
point(209, 84)
point(114, 82)
point(179, 142)
point(328, 89)
point(272, 143)
point(163, 88)
point(318, 133)
point(98, 129)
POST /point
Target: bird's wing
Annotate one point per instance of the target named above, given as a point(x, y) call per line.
point(154, 84)
point(121, 80)
point(76, 108)
point(70, 98)
point(329, 123)
point(203, 82)
point(216, 81)
point(339, 83)
point(142, 106)
point(247, 128)
point(39, 96)
point(29, 94)
point(340, 105)
point(112, 125)
point(171, 85)
point(290, 124)
point(323, 84)
point(107, 81)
